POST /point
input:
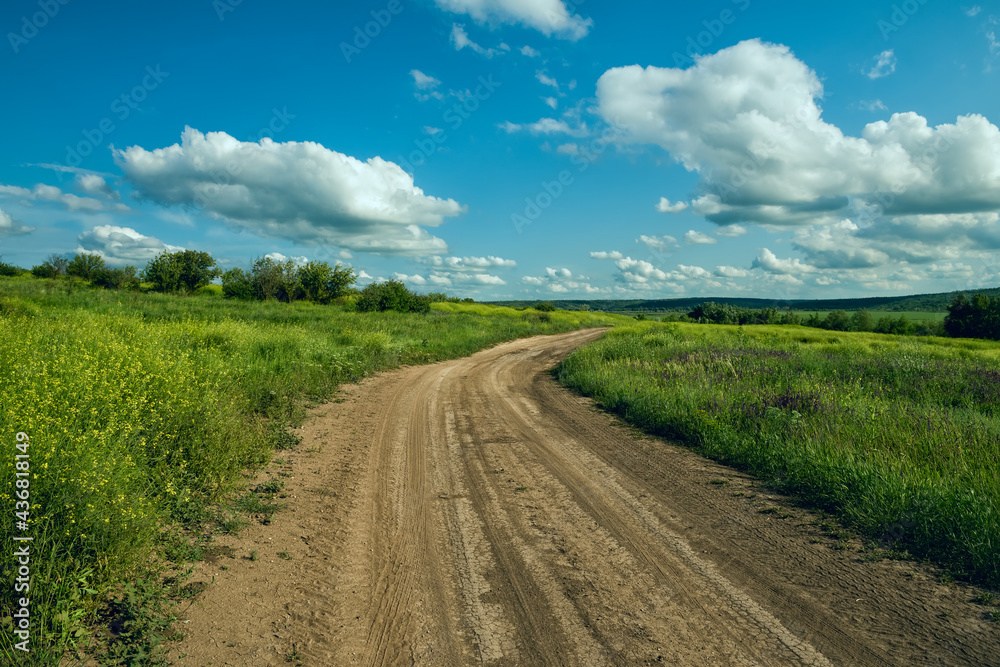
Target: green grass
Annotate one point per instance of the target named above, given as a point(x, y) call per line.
point(144, 411)
point(899, 436)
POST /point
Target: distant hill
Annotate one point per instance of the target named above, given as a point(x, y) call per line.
point(936, 303)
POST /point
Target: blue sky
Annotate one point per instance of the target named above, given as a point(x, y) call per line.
point(515, 148)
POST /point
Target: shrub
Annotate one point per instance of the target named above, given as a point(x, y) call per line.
point(85, 265)
point(53, 267)
point(391, 295)
point(321, 283)
point(10, 270)
point(125, 277)
point(182, 271)
point(544, 306)
point(236, 284)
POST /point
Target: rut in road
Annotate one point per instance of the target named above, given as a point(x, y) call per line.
point(485, 515)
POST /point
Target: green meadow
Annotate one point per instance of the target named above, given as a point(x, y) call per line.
point(898, 436)
point(145, 412)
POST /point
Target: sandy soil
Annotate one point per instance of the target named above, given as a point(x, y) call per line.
point(475, 512)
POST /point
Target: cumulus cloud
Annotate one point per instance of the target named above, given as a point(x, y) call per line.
point(665, 206)
point(561, 280)
point(885, 64)
point(281, 259)
point(731, 230)
point(550, 17)
point(769, 262)
point(731, 272)
point(530, 52)
point(122, 245)
point(545, 79)
point(551, 101)
point(747, 120)
point(11, 227)
point(697, 238)
point(426, 86)
point(469, 263)
point(603, 254)
point(301, 191)
point(94, 184)
point(656, 242)
point(568, 149)
point(466, 271)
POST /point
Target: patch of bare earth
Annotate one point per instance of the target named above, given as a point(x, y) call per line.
point(473, 512)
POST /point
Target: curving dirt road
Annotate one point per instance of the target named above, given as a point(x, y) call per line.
point(474, 512)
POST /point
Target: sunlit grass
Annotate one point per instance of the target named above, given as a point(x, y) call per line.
point(900, 436)
point(144, 409)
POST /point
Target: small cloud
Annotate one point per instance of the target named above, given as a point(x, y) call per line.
point(665, 206)
point(770, 263)
point(424, 81)
point(568, 149)
point(731, 230)
point(509, 127)
point(122, 245)
point(551, 101)
point(602, 254)
point(872, 105)
point(281, 259)
point(973, 11)
point(461, 40)
point(697, 238)
point(657, 242)
point(432, 130)
point(885, 64)
point(546, 80)
point(11, 227)
point(530, 52)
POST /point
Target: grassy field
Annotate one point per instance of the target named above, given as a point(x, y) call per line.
point(899, 436)
point(143, 411)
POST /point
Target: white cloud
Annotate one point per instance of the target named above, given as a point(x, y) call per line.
point(461, 40)
point(11, 227)
point(665, 206)
point(639, 270)
point(530, 52)
point(415, 279)
point(550, 17)
point(731, 231)
point(432, 130)
point(973, 11)
point(94, 184)
point(509, 127)
point(299, 191)
point(772, 264)
point(993, 42)
point(462, 263)
point(731, 272)
point(872, 105)
point(551, 101)
point(657, 242)
point(424, 81)
point(553, 126)
point(122, 245)
point(546, 80)
point(746, 119)
point(568, 149)
point(603, 254)
point(50, 193)
point(885, 64)
point(697, 238)
point(562, 281)
point(281, 259)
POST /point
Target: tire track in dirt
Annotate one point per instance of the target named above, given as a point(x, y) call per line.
point(484, 515)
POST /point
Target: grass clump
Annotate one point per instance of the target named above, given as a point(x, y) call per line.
point(900, 437)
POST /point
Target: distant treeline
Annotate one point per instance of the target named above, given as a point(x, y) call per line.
point(188, 271)
point(978, 318)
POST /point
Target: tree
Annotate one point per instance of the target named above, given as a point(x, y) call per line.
point(391, 295)
point(979, 318)
point(53, 267)
point(862, 320)
point(274, 280)
point(10, 270)
point(84, 265)
point(236, 284)
point(185, 270)
point(837, 320)
point(125, 277)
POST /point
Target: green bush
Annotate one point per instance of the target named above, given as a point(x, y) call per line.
point(53, 267)
point(391, 295)
point(10, 270)
point(85, 265)
point(182, 271)
point(118, 278)
point(236, 284)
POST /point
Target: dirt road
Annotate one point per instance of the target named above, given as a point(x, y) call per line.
point(474, 512)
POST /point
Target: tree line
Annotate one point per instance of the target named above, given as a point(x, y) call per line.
point(187, 271)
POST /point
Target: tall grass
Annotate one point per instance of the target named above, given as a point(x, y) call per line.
point(144, 409)
point(899, 436)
